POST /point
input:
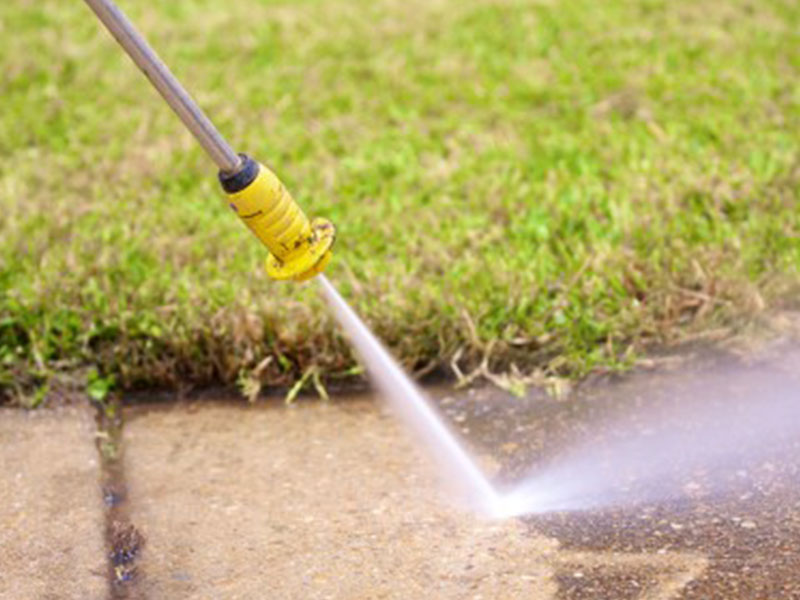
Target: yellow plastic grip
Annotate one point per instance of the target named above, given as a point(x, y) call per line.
point(299, 248)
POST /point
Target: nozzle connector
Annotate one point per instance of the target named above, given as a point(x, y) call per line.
point(299, 248)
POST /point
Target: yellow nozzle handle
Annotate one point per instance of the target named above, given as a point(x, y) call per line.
point(299, 248)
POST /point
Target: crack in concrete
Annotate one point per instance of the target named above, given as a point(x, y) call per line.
point(124, 542)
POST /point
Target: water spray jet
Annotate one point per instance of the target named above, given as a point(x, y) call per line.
point(410, 404)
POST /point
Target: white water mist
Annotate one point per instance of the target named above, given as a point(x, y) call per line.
point(709, 427)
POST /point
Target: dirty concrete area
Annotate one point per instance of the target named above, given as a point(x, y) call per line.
point(216, 499)
point(736, 510)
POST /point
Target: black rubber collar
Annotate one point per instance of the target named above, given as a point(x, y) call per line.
point(236, 182)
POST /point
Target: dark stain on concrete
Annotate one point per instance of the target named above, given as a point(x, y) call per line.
point(743, 517)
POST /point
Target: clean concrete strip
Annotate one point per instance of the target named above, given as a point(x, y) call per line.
point(320, 501)
point(51, 512)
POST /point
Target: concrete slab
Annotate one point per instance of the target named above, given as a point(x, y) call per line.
point(51, 511)
point(320, 501)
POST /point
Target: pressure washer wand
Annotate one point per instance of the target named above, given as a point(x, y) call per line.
point(299, 248)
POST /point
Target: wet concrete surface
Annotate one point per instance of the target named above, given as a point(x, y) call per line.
point(309, 501)
point(723, 440)
point(51, 513)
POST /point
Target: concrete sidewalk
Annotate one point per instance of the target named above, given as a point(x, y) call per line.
point(51, 511)
point(331, 500)
point(311, 501)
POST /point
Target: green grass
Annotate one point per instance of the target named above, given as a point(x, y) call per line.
point(550, 185)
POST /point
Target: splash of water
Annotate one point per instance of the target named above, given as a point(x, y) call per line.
point(706, 431)
point(411, 405)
